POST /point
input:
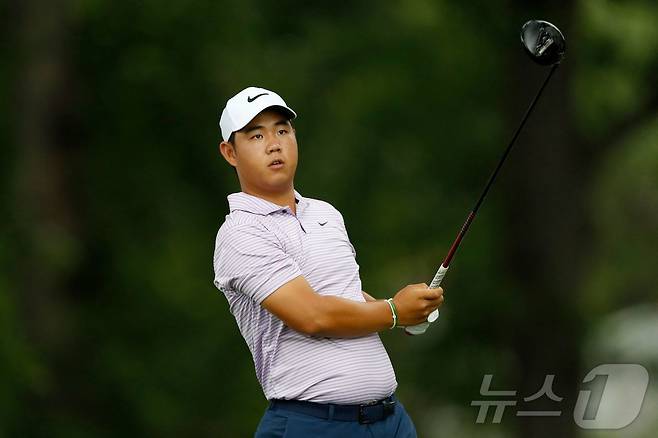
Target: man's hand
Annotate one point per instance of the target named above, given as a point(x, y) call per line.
point(415, 302)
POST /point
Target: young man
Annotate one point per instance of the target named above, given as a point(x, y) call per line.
point(289, 273)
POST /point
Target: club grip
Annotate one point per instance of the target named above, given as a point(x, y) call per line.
point(419, 329)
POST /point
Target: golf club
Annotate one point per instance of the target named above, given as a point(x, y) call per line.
point(545, 44)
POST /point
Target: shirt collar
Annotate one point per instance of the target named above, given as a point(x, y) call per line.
point(253, 204)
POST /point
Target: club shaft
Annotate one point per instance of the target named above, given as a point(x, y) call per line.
point(494, 174)
point(458, 239)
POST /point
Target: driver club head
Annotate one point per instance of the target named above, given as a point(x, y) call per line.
point(543, 42)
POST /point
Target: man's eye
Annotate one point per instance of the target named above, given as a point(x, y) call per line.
point(257, 136)
point(283, 131)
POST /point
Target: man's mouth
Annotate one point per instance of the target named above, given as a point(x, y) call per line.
point(276, 163)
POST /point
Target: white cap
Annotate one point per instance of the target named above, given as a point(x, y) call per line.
point(247, 104)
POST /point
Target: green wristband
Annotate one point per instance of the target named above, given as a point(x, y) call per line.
point(394, 311)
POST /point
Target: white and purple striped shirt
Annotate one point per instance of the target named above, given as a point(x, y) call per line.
point(260, 247)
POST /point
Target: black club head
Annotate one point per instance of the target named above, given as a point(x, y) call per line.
point(543, 42)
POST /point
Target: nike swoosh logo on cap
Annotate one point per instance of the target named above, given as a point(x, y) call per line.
point(251, 99)
point(322, 224)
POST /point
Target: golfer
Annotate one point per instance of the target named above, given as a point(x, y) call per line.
point(289, 273)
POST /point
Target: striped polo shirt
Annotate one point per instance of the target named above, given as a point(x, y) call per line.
point(260, 247)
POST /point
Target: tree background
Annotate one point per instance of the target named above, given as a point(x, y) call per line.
point(113, 190)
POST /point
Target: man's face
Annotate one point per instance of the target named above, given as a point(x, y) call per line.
point(264, 153)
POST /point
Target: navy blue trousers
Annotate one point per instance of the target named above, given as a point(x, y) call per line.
point(281, 423)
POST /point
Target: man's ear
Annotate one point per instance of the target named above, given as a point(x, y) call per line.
point(228, 152)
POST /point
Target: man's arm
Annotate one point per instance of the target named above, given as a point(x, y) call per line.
point(304, 310)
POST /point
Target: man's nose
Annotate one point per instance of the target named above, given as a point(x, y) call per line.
point(274, 146)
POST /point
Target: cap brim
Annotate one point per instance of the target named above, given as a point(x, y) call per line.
point(283, 109)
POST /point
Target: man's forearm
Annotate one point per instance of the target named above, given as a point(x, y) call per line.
point(340, 317)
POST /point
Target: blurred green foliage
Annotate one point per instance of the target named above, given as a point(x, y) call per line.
point(113, 191)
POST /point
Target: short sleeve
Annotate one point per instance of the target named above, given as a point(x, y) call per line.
point(249, 259)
